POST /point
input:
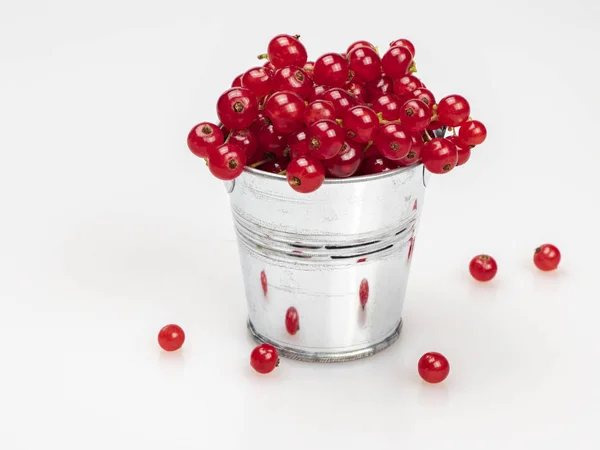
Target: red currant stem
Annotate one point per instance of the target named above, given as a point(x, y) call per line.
point(339, 122)
point(263, 56)
point(228, 137)
point(296, 36)
point(367, 146)
point(382, 121)
point(376, 49)
point(283, 172)
point(260, 163)
point(412, 68)
point(428, 136)
point(453, 131)
point(206, 161)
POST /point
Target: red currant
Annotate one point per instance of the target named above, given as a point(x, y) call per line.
point(376, 164)
point(258, 80)
point(276, 166)
point(404, 43)
point(415, 115)
point(434, 125)
point(264, 358)
point(204, 136)
point(271, 141)
point(341, 100)
point(318, 110)
point(270, 67)
point(286, 111)
point(464, 151)
point(388, 106)
point(396, 61)
point(357, 90)
point(246, 140)
point(426, 96)
point(293, 80)
point(285, 50)
point(453, 110)
point(358, 44)
point(378, 87)
point(305, 174)
point(346, 162)
point(171, 337)
point(433, 367)
point(414, 155)
point(472, 132)
point(292, 321)
point(483, 267)
point(298, 143)
point(237, 81)
point(331, 69)
point(404, 86)
point(309, 68)
point(237, 108)
point(546, 257)
point(325, 139)
point(363, 293)
point(227, 161)
point(318, 91)
point(393, 141)
point(361, 123)
point(365, 63)
point(439, 155)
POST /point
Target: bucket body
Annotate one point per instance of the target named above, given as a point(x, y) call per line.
point(325, 273)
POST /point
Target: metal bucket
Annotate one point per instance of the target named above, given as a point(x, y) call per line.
point(326, 273)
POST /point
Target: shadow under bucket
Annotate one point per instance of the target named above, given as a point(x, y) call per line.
point(325, 273)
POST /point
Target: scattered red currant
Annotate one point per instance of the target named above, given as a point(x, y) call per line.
point(298, 144)
point(404, 43)
point(358, 44)
point(439, 155)
point(361, 123)
point(453, 110)
point(305, 174)
point(404, 86)
point(346, 162)
point(464, 151)
point(204, 136)
point(414, 155)
point(292, 321)
point(171, 337)
point(246, 140)
point(546, 257)
point(286, 111)
point(394, 142)
point(258, 80)
point(318, 92)
point(472, 132)
point(318, 110)
point(331, 69)
point(293, 80)
point(415, 115)
point(365, 63)
point(325, 139)
point(483, 268)
point(341, 100)
point(264, 358)
point(285, 50)
point(227, 161)
point(237, 108)
point(396, 61)
point(357, 90)
point(388, 107)
point(433, 367)
point(426, 96)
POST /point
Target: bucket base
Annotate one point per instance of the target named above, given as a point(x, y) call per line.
point(328, 357)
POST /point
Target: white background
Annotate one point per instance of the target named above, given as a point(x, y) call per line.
point(110, 229)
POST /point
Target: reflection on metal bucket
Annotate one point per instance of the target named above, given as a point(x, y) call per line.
point(337, 258)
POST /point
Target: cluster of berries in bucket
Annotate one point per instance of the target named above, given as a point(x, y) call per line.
point(345, 114)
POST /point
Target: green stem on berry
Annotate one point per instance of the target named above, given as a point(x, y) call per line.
point(453, 131)
point(228, 137)
point(263, 56)
point(427, 136)
point(260, 163)
point(367, 146)
point(376, 49)
point(283, 172)
point(412, 68)
point(339, 122)
point(206, 160)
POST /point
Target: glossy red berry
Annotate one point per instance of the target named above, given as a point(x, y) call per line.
point(292, 320)
point(365, 64)
point(325, 139)
point(396, 61)
point(434, 125)
point(331, 69)
point(464, 151)
point(346, 162)
point(388, 106)
point(318, 110)
point(341, 100)
point(264, 358)
point(483, 267)
point(363, 293)
point(271, 141)
point(246, 140)
point(439, 155)
point(227, 161)
point(276, 166)
point(426, 96)
point(453, 110)
point(358, 44)
point(415, 115)
point(414, 155)
point(433, 367)
point(171, 337)
point(317, 93)
point(305, 174)
point(285, 50)
point(357, 90)
point(472, 132)
point(404, 86)
point(204, 136)
point(404, 43)
point(237, 108)
point(297, 143)
point(376, 164)
point(546, 257)
point(378, 87)
point(258, 80)
point(394, 141)
point(361, 124)
point(237, 81)
point(286, 111)
point(293, 80)
point(270, 67)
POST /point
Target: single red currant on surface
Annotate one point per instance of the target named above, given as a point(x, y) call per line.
point(341, 100)
point(376, 164)
point(204, 136)
point(426, 96)
point(331, 69)
point(415, 115)
point(325, 139)
point(388, 106)
point(309, 68)
point(363, 293)
point(227, 161)
point(258, 80)
point(439, 155)
point(271, 141)
point(483, 267)
point(246, 140)
point(404, 43)
point(393, 141)
point(293, 80)
point(414, 155)
point(546, 257)
point(237, 81)
point(264, 358)
point(318, 91)
point(365, 63)
point(346, 162)
point(378, 87)
point(358, 44)
point(453, 110)
point(286, 111)
point(171, 337)
point(404, 86)
point(318, 110)
point(305, 174)
point(361, 123)
point(433, 367)
point(297, 143)
point(237, 108)
point(292, 321)
point(396, 61)
point(464, 151)
point(276, 166)
point(357, 90)
point(285, 50)
point(472, 132)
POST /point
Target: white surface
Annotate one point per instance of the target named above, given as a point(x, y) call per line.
point(110, 229)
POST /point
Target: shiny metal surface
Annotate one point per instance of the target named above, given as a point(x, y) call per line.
point(340, 256)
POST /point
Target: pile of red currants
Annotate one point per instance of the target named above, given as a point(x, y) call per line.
point(346, 114)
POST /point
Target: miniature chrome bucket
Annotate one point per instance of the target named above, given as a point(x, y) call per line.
point(340, 256)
